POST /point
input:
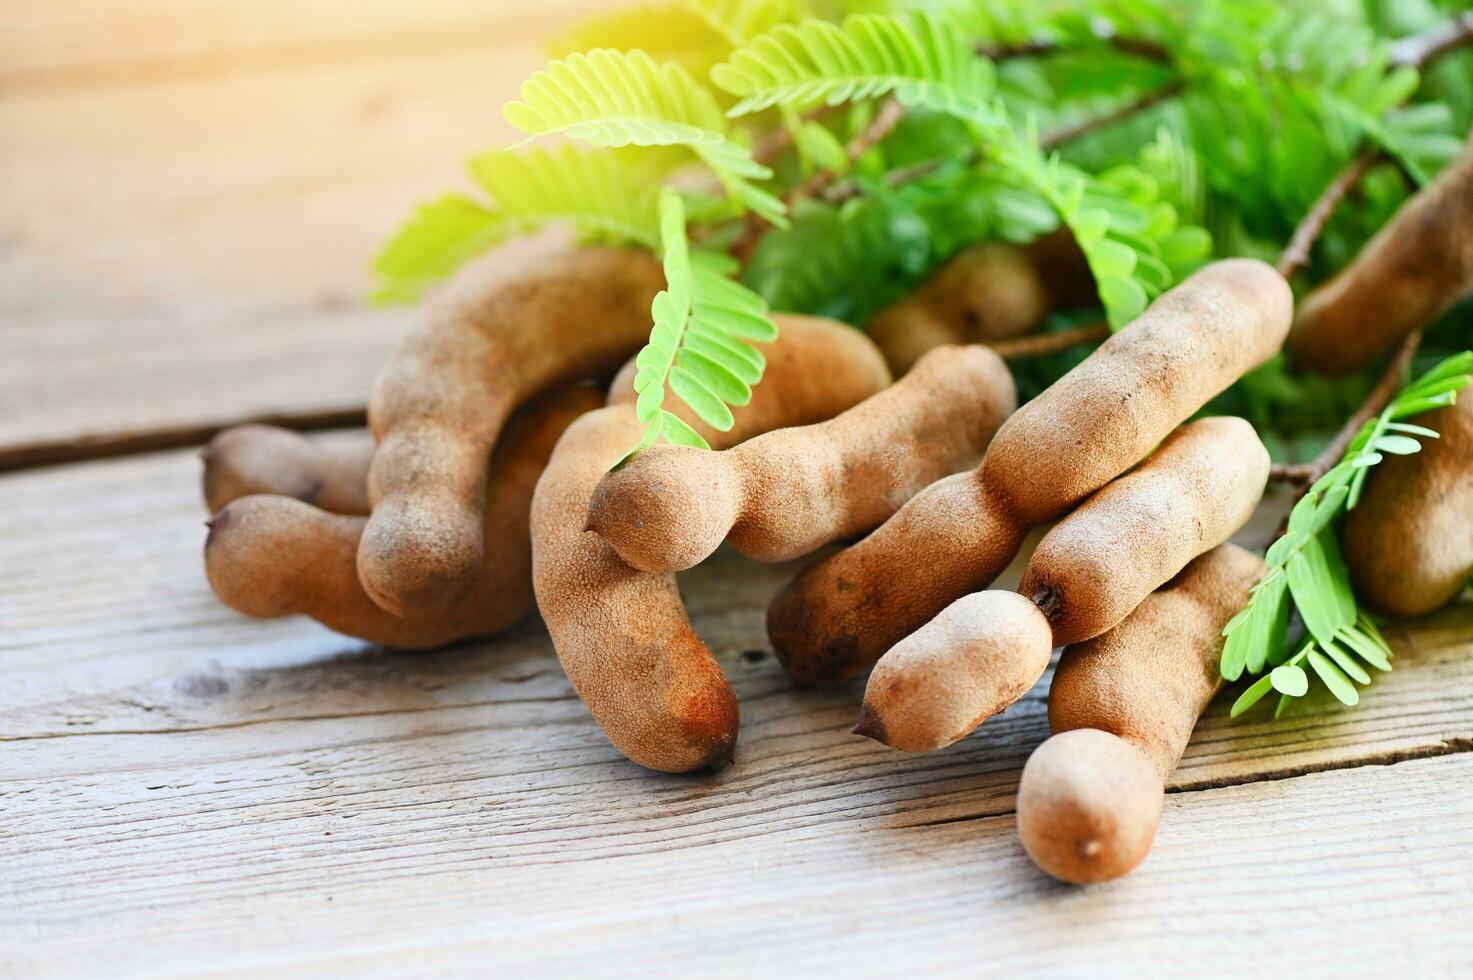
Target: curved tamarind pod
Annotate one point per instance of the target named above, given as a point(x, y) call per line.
point(788, 492)
point(987, 292)
point(945, 679)
point(1123, 707)
point(1087, 574)
point(254, 459)
point(439, 406)
point(1417, 265)
point(1118, 546)
point(271, 556)
point(623, 635)
point(836, 618)
point(1409, 541)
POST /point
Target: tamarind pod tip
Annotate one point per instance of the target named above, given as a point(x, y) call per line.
point(1088, 807)
point(870, 726)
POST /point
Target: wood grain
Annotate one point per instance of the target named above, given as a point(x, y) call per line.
point(184, 253)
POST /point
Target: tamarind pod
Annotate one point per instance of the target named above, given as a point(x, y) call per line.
point(622, 635)
point(255, 459)
point(271, 556)
point(1409, 540)
point(790, 491)
point(988, 292)
point(1122, 707)
point(1417, 265)
point(1087, 574)
point(1100, 562)
point(438, 408)
point(836, 618)
point(944, 680)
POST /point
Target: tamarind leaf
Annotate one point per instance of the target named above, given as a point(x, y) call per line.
point(440, 237)
point(678, 433)
point(738, 21)
point(1336, 681)
point(921, 58)
point(1398, 445)
point(594, 190)
point(1252, 696)
point(1320, 585)
point(611, 98)
point(702, 400)
point(1415, 430)
point(1289, 679)
point(1366, 648)
point(1345, 662)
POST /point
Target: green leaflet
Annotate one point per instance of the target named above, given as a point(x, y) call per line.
point(1307, 566)
point(611, 98)
point(596, 191)
point(700, 346)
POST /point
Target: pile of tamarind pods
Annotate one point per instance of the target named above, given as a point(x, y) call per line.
point(486, 488)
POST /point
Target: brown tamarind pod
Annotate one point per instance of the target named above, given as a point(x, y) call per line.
point(1097, 421)
point(271, 556)
point(788, 492)
point(623, 635)
point(1122, 707)
point(254, 459)
point(1409, 541)
point(1417, 265)
point(1087, 574)
point(1100, 562)
point(988, 292)
point(945, 679)
point(438, 408)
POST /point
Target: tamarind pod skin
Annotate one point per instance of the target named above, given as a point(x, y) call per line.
point(1087, 574)
point(836, 618)
point(622, 635)
point(1409, 541)
point(272, 556)
point(1417, 265)
point(988, 292)
point(1101, 561)
point(940, 683)
point(1122, 707)
point(255, 459)
point(985, 293)
point(439, 406)
point(791, 491)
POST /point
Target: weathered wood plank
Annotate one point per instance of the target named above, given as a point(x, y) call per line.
point(429, 876)
point(111, 631)
point(176, 257)
point(74, 41)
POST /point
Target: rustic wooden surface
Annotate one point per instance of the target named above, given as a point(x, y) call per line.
point(191, 191)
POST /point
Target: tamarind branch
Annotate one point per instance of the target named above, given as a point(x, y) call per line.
point(1296, 255)
point(1307, 474)
point(887, 117)
point(1422, 49)
point(1022, 348)
point(1140, 47)
point(1084, 127)
point(1417, 51)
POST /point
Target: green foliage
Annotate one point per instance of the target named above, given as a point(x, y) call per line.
point(667, 32)
point(739, 21)
point(596, 191)
point(616, 98)
point(701, 344)
point(919, 59)
point(1305, 565)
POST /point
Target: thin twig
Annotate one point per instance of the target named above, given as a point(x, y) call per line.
point(1021, 348)
point(1074, 131)
point(1306, 474)
point(1296, 255)
point(1139, 47)
point(1417, 51)
point(886, 118)
point(1422, 49)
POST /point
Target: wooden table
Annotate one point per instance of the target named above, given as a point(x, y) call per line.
point(189, 191)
